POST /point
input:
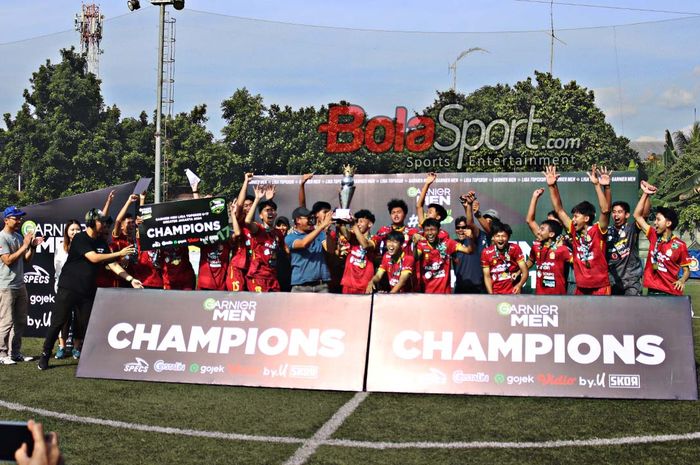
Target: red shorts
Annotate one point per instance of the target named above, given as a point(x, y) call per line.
point(235, 279)
point(263, 285)
point(354, 290)
point(606, 290)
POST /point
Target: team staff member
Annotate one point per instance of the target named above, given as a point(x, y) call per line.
point(668, 254)
point(307, 246)
point(15, 250)
point(76, 286)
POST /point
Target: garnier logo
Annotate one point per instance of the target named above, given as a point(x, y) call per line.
point(504, 308)
point(28, 227)
point(209, 304)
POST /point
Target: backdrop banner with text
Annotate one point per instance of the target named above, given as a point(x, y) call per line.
point(555, 346)
point(295, 340)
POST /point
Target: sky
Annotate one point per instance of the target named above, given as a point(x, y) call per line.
point(641, 64)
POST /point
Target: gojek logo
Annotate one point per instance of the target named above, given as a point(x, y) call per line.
point(499, 378)
point(504, 308)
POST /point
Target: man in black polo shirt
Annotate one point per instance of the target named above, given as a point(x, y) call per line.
point(76, 285)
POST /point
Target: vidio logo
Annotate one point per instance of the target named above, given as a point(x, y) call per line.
point(503, 308)
point(209, 304)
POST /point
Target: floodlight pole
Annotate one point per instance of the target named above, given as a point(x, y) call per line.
point(159, 99)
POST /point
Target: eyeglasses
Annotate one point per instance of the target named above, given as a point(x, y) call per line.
point(460, 227)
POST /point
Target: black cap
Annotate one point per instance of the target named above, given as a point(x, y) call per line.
point(300, 211)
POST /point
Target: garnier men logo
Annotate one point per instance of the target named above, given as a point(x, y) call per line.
point(503, 308)
point(28, 227)
point(209, 304)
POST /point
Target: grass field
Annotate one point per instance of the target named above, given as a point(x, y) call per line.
point(295, 416)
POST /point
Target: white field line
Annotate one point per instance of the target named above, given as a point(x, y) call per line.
point(326, 431)
point(359, 444)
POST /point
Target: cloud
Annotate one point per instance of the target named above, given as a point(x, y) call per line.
point(608, 100)
point(696, 70)
point(676, 97)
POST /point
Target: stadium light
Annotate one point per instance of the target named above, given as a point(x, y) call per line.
point(178, 5)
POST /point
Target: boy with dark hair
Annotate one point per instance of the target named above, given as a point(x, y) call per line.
point(434, 256)
point(501, 261)
point(548, 253)
point(397, 264)
point(266, 242)
point(624, 264)
point(241, 247)
point(588, 239)
point(359, 264)
point(668, 254)
point(397, 211)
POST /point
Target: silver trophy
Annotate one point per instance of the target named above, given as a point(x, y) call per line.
point(347, 189)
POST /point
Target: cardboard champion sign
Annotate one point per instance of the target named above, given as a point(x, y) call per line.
point(558, 346)
point(214, 337)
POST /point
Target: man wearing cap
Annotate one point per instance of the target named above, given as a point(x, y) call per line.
point(76, 286)
point(307, 246)
point(14, 251)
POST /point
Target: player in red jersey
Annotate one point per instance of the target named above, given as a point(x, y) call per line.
point(548, 253)
point(588, 239)
point(501, 261)
point(434, 210)
point(177, 269)
point(435, 258)
point(668, 254)
point(396, 264)
point(241, 246)
point(397, 211)
point(359, 261)
point(266, 243)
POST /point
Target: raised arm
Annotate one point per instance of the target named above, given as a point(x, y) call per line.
point(531, 211)
point(244, 188)
point(551, 176)
point(26, 248)
point(421, 198)
point(600, 178)
point(249, 223)
point(108, 203)
point(122, 213)
point(302, 190)
point(233, 213)
point(309, 238)
point(470, 205)
point(639, 216)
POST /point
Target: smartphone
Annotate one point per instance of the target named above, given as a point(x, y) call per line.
point(12, 435)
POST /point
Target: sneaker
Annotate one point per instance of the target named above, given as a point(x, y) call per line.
point(61, 353)
point(43, 362)
point(22, 358)
point(7, 361)
point(76, 354)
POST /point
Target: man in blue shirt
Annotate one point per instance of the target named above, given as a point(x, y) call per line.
point(308, 246)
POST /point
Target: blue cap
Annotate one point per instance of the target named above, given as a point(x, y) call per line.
point(12, 211)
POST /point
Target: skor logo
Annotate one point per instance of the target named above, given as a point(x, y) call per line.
point(503, 308)
point(209, 304)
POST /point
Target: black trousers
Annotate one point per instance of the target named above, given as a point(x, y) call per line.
point(67, 300)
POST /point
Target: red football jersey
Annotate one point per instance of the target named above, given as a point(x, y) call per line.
point(435, 265)
point(177, 269)
point(213, 265)
point(359, 266)
point(590, 263)
point(550, 264)
point(265, 246)
point(379, 239)
point(502, 266)
point(393, 269)
point(242, 250)
point(664, 262)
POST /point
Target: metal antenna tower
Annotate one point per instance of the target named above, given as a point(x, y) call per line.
point(168, 97)
point(89, 24)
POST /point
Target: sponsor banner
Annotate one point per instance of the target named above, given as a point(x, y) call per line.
point(308, 341)
point(187, 222)
point(48, 219)
point(616, 347)
point(694, 263)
